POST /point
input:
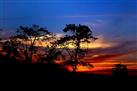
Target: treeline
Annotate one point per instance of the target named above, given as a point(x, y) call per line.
point(23, 45)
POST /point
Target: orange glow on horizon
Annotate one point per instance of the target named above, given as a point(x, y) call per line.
point(103, 68)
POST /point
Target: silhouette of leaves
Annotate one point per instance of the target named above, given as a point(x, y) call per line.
point(31, 35)
point(76, 36)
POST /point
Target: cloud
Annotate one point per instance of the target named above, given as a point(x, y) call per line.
point(98, 15)
point(5, 33)
point(101, 42)
point(109, 57)
point(124, 52)
point(26, 17)
point(59, 35)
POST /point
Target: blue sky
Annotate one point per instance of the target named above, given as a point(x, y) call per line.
point(106, 17)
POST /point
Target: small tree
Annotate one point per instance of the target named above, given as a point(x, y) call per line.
point(51, 53)
point(29, 36)
point(76, 35)
point(120, 70)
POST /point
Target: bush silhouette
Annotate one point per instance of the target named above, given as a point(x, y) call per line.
point(120, 71)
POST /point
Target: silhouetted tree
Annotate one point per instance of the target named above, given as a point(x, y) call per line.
point(29, 36)
point(120, 71)
point(76, 35)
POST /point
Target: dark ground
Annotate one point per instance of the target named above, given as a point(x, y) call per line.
point(52, 72)
point(51, 77)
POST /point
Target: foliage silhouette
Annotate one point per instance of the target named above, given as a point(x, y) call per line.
point(29, 36)
point(76, 35)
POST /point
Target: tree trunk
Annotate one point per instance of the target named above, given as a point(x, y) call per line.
point(32, 49)
point(26, 52)
point(76, 54)
point(31, 53)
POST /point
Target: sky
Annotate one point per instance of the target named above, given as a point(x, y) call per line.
point(112, 21)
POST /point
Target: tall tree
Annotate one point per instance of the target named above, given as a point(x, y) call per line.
point(29, 36)
point(75, 36)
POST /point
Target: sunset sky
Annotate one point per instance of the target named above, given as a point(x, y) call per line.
point(112, 21)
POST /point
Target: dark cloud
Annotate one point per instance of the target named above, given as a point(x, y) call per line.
point(107, 57)
point(124, 48)
point(6, 33)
